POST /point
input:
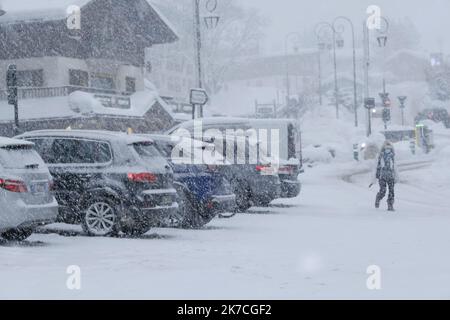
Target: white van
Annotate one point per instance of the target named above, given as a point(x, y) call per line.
point(26, 199)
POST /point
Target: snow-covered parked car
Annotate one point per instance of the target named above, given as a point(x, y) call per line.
point(203, 190)
point(107, 181)
point(25, 190)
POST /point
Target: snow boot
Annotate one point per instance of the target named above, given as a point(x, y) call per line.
point(391, 207)
point(377, 203)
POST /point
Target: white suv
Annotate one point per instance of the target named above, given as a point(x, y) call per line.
point(26, 200)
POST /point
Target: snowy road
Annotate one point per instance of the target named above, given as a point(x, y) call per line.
point(317, 246)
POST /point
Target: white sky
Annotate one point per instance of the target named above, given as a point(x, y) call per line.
point(430, 16)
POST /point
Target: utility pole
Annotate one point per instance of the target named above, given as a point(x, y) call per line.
point(336, 90)
point(198, 42)
point(13, 99)
point(319, 53)
point(366, 47)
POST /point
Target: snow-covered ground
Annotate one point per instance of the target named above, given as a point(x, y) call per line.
point(316, 246)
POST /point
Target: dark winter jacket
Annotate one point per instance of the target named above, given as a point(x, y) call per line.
point(386, 169)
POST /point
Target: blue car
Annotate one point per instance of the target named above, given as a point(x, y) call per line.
point(203, 190)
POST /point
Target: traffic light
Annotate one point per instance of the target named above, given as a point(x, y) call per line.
point(386, 115)
point(11, 82)
point(385, 100)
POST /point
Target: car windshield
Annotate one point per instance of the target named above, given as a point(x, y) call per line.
point(18, 157)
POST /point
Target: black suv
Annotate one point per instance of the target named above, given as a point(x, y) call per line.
point(109, 182)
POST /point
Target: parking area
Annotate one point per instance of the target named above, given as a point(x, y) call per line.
point(297, 248)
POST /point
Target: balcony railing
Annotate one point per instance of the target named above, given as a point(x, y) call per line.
point(108, 98)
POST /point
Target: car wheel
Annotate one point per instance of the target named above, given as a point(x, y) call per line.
point(100, 218)
point(263, 202)
point(16, 234)
point(243, 196)
point(192, 217)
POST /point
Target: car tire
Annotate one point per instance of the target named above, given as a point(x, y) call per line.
point(191, 216)
point(100, 218)
point(16, 234)
point(243, 196)
point(264, 203)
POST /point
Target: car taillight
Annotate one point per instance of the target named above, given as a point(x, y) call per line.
point(265, 169)
point(142, 177)
point(13, 185)
point(211, 168)
point(286, 170)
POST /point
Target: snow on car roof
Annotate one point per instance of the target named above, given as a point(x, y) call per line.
point(88, 134)
point(8, 142)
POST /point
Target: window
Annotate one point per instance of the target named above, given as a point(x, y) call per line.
point(78, 78)
point(102, 82)
point(30, 78)
point(130, 84)
point(73, 151)
point(146, 150)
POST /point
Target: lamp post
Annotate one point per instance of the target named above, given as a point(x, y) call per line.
point(286, 55)
point(340, 29)
point(211, 22)
point(320, 27)
point(402, 100)
point(382, 42)
point(322, 45)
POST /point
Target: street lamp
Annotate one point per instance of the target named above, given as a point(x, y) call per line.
point(286, 55)
point(211, 22)
point(340, 29)
point(402, 100)
point(382, 42)
point(322, 45)
point(320, 27)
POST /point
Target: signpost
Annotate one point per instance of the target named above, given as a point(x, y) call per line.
point(369, 104)
point(13, 99)
point(198, 97)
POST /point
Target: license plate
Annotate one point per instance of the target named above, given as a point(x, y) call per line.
point(39, 188)
point(166, 200)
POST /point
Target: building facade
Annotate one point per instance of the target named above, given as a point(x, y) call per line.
point(104, 56)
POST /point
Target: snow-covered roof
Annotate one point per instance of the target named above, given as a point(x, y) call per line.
point(78, 105)
point(163, 18)
point(49, 10)
point(7, 142)
point(37, 10)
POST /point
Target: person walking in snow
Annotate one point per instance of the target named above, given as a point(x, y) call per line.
point(387, 175)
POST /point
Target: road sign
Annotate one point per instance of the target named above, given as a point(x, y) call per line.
point(11, 82)
point(385, 100)
point(369, 103)
point(198, 97)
